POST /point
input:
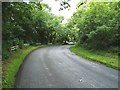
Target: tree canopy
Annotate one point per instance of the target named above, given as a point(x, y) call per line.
point(93, 25)
point(98, 24)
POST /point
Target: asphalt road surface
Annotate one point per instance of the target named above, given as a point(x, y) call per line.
point(57, 67)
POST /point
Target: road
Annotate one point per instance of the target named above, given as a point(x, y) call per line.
point(57, 67)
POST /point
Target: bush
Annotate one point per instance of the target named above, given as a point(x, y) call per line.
point(100, 38)
point(5, 50)
point(16, 41)
point(21, 44)
point(5, 55)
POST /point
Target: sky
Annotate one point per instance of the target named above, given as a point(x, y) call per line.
point(55, 6)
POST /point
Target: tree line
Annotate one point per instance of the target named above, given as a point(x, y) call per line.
point(31, 23)
point(94, 25)
point(98, 25)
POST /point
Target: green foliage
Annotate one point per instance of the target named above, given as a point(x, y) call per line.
point(6, 54)
point(97, 24)
point(94, 25)
point(101, 38)
point(28, 23)
point(104, 57)
point(21, 44)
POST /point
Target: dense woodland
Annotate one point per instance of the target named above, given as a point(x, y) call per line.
point(94, 26)
point(98, 25)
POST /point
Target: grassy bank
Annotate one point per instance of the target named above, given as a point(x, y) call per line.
point(108, 59)
point(11, 66)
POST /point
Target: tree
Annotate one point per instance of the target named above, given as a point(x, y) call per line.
point(97, 23)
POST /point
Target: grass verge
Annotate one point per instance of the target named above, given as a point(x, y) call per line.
point(11, 66)
point(108, 59)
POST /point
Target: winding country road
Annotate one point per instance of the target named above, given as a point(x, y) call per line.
point(57, 67)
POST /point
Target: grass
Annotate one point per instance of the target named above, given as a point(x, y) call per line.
point(11, 66)
point(108, 59)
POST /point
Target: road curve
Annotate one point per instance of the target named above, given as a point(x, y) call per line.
point(57, 67)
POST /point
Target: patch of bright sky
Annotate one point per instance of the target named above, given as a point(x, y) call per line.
point(55, 6)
